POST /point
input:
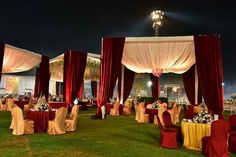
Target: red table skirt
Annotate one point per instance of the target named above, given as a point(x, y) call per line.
point(110, 106)
point(40, 119)
point(152, 113)
point(58, 105)
point(21, 104)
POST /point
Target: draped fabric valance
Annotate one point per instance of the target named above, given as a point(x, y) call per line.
point(19, 60)
point(169, 54)
point(91, 71)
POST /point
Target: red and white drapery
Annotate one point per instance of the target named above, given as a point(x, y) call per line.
point(42, 78)
point(112, 49)
point(165, 54)
point(13, 60)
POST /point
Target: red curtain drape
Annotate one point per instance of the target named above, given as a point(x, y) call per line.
point(81, 90)
point(128, 83)
point(2, 47)
point(209, 70)
point(74, 68)
point(42, 78)
point(94, 88)
point(189, 84)
point(112, 51)
point(37, 83)
point(155, 86)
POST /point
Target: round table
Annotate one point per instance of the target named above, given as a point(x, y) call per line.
point(40, 119)
point(58, 105)
point(193, 134)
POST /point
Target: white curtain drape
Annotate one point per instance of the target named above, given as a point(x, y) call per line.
point(168, 54)
point(19, 60)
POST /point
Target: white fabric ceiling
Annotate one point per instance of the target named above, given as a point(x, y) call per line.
point(91, 56)
point(19, 60)
point(168, 54)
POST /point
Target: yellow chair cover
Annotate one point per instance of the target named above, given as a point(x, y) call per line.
point(9, 103)
point(57, 126)
point(162, 108)
point(19, 125)
point(143, 118)
point(193, 134)
point(115, 110)
point(136, 112)
point(127, 108)
point(2, 106)
point(72, 121)
point(155, 120)
point(29, 106)
point(174, 112)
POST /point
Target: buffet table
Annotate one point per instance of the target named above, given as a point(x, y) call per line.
point(193, 134)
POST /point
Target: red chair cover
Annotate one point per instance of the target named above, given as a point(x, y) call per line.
point(169, 126)
point(189, 114)
point(216, 144)
point(152, 113)
point(168, 138)
point(232, 121)
point(232, 134)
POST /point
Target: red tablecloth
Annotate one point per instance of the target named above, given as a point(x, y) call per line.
point(58, 105)
point(21, 104)
point(83, 105)
point(110, 106)
point(40, 119)
point(152, 113)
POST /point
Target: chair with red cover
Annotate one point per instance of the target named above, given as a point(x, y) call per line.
point(216, 144)
point(168, 125)
point(168, 138)
point(232, 134)
point(189, 114)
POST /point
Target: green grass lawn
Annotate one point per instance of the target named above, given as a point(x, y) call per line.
point(113, 137)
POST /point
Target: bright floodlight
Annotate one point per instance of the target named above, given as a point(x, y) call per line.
point(157, 16)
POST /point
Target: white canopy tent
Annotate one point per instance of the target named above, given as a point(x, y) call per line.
point(19, 60)
point(158, 55)
point(151, 54)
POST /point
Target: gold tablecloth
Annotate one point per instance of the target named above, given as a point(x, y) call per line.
point(193, 133)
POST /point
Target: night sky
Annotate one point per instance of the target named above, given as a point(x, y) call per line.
point(51, 27)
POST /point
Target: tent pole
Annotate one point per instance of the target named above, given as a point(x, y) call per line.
point(196, 86)
point(122, 84)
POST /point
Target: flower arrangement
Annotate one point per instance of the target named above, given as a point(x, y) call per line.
point(203, 117)
point(43, 106)
point(155, 104)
